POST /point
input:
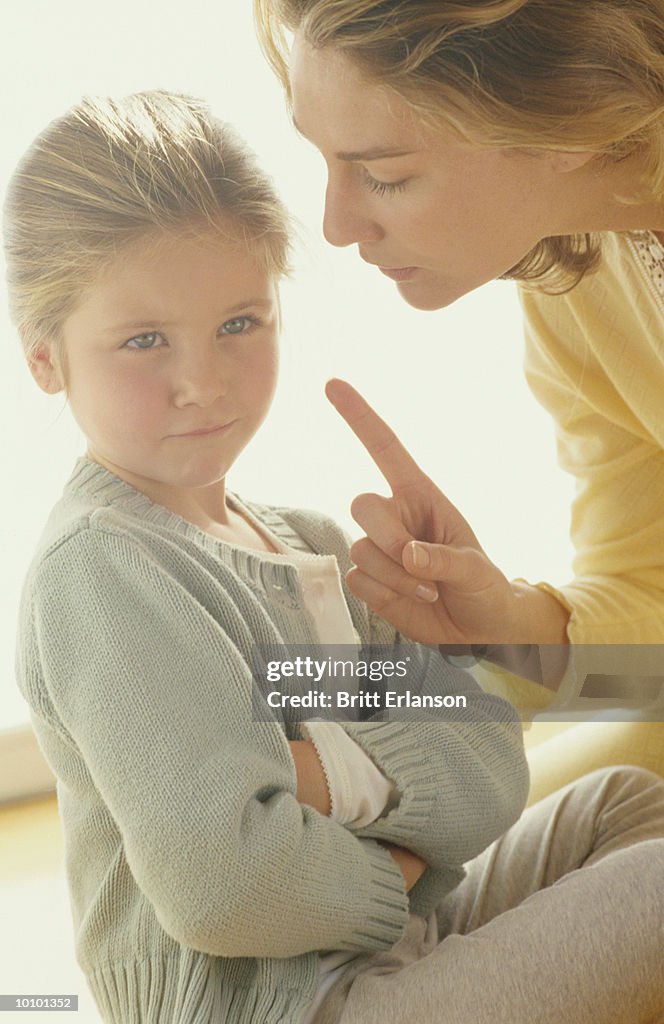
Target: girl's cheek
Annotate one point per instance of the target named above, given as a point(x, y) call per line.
point(139, 385)
point(137, 397)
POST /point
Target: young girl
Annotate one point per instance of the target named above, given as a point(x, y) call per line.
point(224, 868)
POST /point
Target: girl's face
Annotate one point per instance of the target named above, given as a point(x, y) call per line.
point(171, 363)
point(436, 214)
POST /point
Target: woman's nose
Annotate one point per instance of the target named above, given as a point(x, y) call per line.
point(201, 377)
point(346, 219)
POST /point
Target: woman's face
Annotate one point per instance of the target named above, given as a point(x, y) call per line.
point(437, 215)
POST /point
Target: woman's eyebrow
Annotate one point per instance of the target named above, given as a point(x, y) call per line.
point(374, 153)
point(378, 153)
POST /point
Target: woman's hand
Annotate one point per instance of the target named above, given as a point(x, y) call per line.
point(420, 565)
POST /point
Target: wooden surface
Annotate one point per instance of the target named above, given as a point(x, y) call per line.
point(36, 937)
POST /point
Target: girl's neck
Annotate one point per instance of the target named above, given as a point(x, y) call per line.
point(239, 532)
point(204, 507)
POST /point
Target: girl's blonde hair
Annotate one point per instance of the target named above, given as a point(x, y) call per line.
point(567, 75)
point(113, 171)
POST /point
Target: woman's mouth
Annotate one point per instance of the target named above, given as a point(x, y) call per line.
point(398, 273)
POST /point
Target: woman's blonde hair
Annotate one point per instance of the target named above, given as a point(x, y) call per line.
point(113, 171)
point(567, 75)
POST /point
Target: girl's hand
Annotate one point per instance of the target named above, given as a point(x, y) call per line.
point(312, 786)
point(312, 790)
point(411, 866)
point(420, 565)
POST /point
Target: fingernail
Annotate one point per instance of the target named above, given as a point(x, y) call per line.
point(426, 593)
point(420, 555)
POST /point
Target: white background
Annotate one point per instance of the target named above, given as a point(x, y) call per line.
point(450, 382)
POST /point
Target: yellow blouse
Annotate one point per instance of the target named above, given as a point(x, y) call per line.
point(595, 360)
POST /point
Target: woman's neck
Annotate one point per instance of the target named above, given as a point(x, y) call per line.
point(608, 197)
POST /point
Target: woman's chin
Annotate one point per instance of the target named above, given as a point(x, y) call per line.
point(429, 295)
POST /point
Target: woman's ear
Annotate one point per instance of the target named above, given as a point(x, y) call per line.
point(563, 163)
point(45, 367)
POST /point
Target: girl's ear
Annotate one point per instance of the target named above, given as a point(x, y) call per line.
point(45, 368)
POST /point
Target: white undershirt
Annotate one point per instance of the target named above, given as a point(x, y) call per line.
point(359, 792)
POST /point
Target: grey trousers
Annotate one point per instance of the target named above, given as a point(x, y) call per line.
point(561, 921)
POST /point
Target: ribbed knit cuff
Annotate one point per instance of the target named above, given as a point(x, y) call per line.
point(359, 792)
point(387, 919)
point(432, 888)
point(397, 753)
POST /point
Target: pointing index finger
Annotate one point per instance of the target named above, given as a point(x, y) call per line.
point(395, 463)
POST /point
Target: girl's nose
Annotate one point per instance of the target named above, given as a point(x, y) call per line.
point(201, 378)
point(346, 219)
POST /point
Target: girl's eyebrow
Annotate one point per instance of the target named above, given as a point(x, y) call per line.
point(260, 303)
point(366, 155)
point(140, 324)
point(136, 325)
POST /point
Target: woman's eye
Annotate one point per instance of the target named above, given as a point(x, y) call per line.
point(144, 342)
point(239, 325)
point(382, 188)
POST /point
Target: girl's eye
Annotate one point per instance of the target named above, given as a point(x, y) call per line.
point(144, 342)
point(382, 188)
point(240, 325)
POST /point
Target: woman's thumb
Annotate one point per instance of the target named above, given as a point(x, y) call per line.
point(441, 563)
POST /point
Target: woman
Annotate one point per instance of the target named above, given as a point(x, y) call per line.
point(522, 139)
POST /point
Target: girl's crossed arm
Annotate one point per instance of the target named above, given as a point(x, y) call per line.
point(203, 798)
point(312, 789)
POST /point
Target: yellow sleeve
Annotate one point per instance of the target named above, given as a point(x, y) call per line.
point(595, 360)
